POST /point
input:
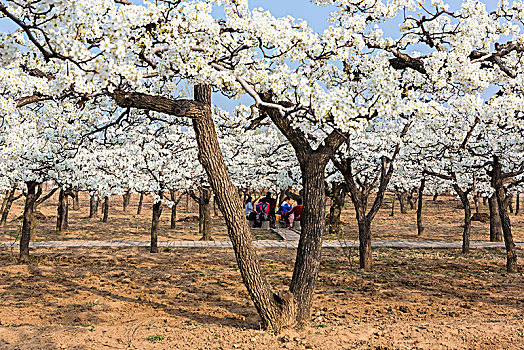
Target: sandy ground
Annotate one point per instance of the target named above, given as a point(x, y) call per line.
point(195, 299)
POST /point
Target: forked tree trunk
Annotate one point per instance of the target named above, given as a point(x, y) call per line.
point(28, 220)
point(277, 310)
point(140, 204)
point(93, 206)
point(10, 198)
point(62, 212)
point(495, 226)
point(498, 185)
point(205, 214)
point(155, 222)
point(339, 197)
point(420, 226)
point(106, 209)
point(76, 200)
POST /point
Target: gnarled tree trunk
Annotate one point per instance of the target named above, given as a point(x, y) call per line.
point(497, 182)
point(62, 211)
point(338, 194)
point(28, 219)
point(105, 209)
point(277, 310)
point(495, 226)
point(155, 222)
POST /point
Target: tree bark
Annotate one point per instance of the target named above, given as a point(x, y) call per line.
point(517, 204)
point(277, 310)
point(420, 226)
point(463, 195)
point(509, 199)
point(140, 204)
point(172, 193)
point(338, 194)
point(76, 200)
point(435, 196)
point(126, 198)
point(364, 235)
point(106, 209)
point(62, 212)
point(495, 226)
point(157, 211)
point(205, 214)
point(498, 184)
point(392, 205)
point(308, 257)
point(10, 198)
point(28, 219)
point(402, 197)
point(93, 206)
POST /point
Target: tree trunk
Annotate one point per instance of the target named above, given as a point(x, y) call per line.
point(76, 200)
point(173, 208)
point(205, 214)
point(484, 200)
point(7, 206)
point(420, 227)
point(157, 211)
point(62, 212)
point(93, 206)
point(402, 197)
point(106, 209)
point(495, 226)
point(338, 197)
point(477, 203)
point(364, 236)
point(140, 203)
point(497, 184)
point(277, 310)
point(308, 256)
point(467, 226)
point(435, 196)
point(509, 199)
point(28, 220)
point(392, 205)
point(411, 200)
point(126, 198)
point(517, 204)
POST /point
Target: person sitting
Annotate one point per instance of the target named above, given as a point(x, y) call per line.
point(296, 212)
point(285, 210)
point(250, 210)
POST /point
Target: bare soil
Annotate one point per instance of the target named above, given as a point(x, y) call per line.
point(194, 298)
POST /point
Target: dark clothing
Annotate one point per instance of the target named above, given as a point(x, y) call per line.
point(297, 210)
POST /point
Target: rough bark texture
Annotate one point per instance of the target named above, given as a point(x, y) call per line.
point(392, 205)
point(338, 195)
point(76, 200)
point(402, 199)
point(172, 193)
point(364, 236)
point(106, 209)
point(62, 212)
point(28, 219)
point(495, 226)
point(140, 204)
point(6, 208)
point(467, 217)
point(420, 226)
point(517, 204)
point(126, 198)
point(93, 207)
point(277, 310)
point(497, 182)
point(157, 211)
point(205, 214)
